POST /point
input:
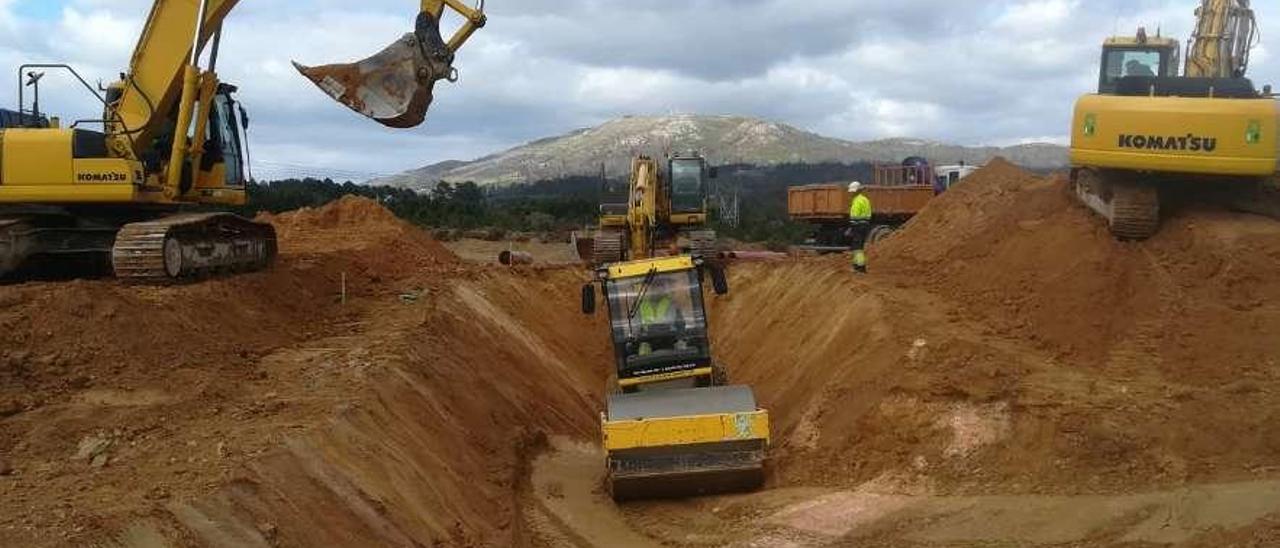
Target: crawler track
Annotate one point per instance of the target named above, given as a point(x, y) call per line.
point(609, 248)
point(1131, 207)
point(703, 243)
point(192, 245)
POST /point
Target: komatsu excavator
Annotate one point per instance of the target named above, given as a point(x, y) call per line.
point(661, 210)
point(1150, 130)
point(672, 425)
point(173, 137)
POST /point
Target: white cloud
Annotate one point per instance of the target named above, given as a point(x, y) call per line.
point(1037, 17)
point(1005, 71)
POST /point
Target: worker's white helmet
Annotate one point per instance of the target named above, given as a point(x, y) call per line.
point(854, 187)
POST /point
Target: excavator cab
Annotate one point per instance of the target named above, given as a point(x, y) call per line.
point(225, 143)
point(1138, 56)
point(688, 195)
point(689, 175)
point(394, 87)
point(672, 425)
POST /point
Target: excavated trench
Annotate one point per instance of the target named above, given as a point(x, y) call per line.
point(1009, 377)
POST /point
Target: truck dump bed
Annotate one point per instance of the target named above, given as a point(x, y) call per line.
point(831, 202)
point(818, 202)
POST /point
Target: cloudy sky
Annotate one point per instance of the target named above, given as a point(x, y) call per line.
point(992, 72)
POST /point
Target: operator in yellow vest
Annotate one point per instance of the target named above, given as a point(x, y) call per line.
point(657, 307)
point(860, 213)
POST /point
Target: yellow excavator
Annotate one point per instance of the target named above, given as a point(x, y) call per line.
point(1150, 130)
point(173, 137)
point(662, 211)
point(672, 425)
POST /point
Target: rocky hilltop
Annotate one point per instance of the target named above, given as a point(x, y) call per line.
point(723, 139)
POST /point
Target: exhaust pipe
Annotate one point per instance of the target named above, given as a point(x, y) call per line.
point(394, 87)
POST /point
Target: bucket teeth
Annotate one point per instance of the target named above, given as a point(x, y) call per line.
point(393, 87)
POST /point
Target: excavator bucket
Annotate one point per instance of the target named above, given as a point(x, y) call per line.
point(393, 87)
point(584, 244)
point(685, 442)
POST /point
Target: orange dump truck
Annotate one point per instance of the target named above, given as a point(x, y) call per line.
point(897, 194)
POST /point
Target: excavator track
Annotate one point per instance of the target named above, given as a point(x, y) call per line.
point(1131, 208)
point(12, 244)
point(703, 243)
point(609, 247)
point(192, 245)
point(46, 241)
point(1135, 211)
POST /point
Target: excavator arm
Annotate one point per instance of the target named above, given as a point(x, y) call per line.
point(173, 31)
point(647, 200)
point(1226, 31)
point(166, 89)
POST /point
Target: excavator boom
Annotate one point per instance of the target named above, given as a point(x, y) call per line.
point(1226, 31)
point(393, 87)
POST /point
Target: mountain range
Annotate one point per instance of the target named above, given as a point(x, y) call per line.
point(722, 139)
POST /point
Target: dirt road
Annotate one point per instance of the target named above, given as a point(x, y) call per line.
point(570, 509)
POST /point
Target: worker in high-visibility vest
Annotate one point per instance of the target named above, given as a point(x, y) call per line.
point(657, 307)
point(860, 213)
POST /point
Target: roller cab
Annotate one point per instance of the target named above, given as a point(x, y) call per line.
point(672, 426)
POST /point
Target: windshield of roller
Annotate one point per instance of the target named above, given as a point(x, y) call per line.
point(659, 323)
point(686, 186)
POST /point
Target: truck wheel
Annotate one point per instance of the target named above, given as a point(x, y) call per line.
point(879, 233)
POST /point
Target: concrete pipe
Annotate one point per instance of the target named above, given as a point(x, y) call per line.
point(511, 258)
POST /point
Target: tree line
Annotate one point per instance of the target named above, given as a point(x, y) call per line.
point(567, 203)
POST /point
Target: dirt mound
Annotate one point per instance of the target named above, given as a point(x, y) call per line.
point(61, 336)
point(354, 223)
point(361, 238)
point(1005, 339)
point(348, 211)
point(1022, 256)
point(147, 370)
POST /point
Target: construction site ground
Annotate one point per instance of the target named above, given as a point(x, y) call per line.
point(486, 252)
point(1007, 375)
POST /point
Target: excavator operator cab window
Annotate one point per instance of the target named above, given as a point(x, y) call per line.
point(688, 188)
point(224, 141)
point(659, 323)
point(1119, 63)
